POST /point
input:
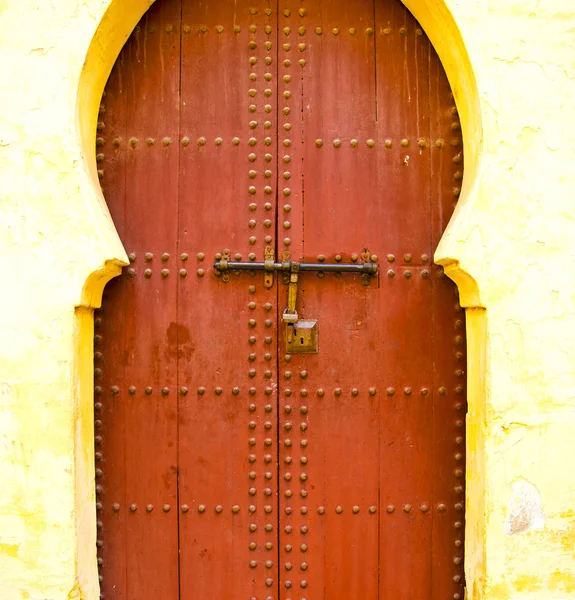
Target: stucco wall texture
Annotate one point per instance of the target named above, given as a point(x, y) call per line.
point(510, 247)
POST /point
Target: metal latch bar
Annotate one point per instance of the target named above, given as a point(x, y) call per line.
point(286, 267)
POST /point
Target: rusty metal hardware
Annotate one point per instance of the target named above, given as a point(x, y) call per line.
point(300, 336)
point(290, 316)
point(225, 265)
point(269, 267)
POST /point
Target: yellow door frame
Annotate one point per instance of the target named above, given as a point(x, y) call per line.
point(110, 35)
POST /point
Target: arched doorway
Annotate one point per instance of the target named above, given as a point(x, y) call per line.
point(228, 466)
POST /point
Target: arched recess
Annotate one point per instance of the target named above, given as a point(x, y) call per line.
point(110, 34)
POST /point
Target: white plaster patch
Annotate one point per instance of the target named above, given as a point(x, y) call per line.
point(525, 512)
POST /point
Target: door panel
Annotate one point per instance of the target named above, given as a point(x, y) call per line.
point(226, 467)
point(139, 414)
point(229, 414)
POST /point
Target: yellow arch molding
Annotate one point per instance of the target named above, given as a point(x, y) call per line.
point(438, 22)
point(441, 28)
point(111, 33)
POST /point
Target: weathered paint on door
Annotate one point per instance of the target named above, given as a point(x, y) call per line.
point(225, 467)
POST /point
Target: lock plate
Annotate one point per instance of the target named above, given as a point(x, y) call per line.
point(304, 339)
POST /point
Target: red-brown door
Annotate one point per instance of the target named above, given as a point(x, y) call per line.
point(228, 468)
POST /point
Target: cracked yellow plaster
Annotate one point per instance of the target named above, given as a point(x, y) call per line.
point(509, 248)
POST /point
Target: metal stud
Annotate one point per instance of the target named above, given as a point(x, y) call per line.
point(390, 508)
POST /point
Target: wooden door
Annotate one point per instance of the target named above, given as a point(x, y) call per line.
point(226, 467)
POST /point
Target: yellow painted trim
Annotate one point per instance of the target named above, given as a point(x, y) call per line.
point(475, 477)
point(113, 30)
point(87, 583)
point(443, 32)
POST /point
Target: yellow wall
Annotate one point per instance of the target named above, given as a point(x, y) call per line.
point(510, 248)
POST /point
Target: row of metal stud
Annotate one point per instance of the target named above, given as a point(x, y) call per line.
point(219, 29)
point(390, 391)
point(236, 141)
point(290, 161)
point(267, 224)
point(200, 256)
point(321, 510)
point(458, 355)
point(183, 273)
